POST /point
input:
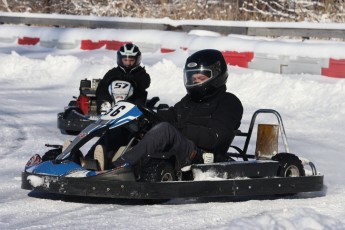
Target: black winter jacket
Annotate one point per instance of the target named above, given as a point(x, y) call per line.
point(209, 124)
point(138, 77)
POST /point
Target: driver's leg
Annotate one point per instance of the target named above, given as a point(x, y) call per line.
point(111, 141)
point(161, 139)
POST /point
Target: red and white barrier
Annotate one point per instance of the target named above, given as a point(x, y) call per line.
point(28, 41)
point(336, 68)
point(168, 42)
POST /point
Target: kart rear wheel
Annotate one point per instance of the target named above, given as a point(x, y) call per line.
point(290, 165)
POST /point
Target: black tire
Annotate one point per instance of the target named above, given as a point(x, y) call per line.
point(156, 170)
point(289, 165)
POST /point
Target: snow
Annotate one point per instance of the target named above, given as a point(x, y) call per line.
point(35, 180)
point(36, 83)
point(209, 175)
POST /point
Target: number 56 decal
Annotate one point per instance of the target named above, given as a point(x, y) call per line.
point(118, 111)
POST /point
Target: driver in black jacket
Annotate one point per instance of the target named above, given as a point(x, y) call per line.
point(203, 121)
point(129, 74)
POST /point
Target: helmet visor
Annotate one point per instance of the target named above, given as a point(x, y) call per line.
point(197, 77)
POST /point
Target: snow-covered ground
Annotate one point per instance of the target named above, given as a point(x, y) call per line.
point(36, 83)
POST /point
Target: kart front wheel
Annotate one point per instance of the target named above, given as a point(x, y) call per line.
point(158, 171)
point(289, 165)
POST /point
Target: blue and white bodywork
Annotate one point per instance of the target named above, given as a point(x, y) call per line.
point(120, 114)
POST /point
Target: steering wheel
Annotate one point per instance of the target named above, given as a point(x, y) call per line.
point(149, 114)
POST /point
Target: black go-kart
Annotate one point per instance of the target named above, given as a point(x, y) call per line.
point(81, 111)
point(265, 172)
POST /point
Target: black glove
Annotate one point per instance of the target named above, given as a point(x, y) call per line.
point(162, 106)
point(151, 102)
point(51, 154)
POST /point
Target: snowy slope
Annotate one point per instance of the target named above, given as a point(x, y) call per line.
point(36, 83)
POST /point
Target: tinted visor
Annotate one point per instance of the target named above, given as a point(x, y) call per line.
point(197, 77)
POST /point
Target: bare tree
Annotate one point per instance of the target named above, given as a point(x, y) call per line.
point(262, 10)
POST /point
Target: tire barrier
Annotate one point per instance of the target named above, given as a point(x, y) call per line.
point(49, 43)
point(288, 65)
point(10, 39)
point(168, 42)
point(64, 45)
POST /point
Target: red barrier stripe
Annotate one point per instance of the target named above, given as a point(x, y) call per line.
point(28, 41)
point(165, 50)
point(91, 45)
point(114, 45)
point(336, 68)
point(240, 59)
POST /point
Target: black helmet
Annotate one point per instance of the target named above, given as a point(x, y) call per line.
point(210, 63)
point(128, 51)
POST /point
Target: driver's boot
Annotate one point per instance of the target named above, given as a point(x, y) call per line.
point(100, 157)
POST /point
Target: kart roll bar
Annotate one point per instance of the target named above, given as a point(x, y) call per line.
point(248, 135)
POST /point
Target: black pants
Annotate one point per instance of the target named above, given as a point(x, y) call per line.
point(162, 141)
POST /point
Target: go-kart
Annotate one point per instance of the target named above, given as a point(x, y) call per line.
point(68, 172)
point(82, 110)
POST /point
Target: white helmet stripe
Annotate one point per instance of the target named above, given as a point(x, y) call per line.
point(129, 52)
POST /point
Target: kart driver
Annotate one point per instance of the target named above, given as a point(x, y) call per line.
point(128, 80)
point(204, 120)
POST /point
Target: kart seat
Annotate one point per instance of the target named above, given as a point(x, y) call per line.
point(267, 141)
